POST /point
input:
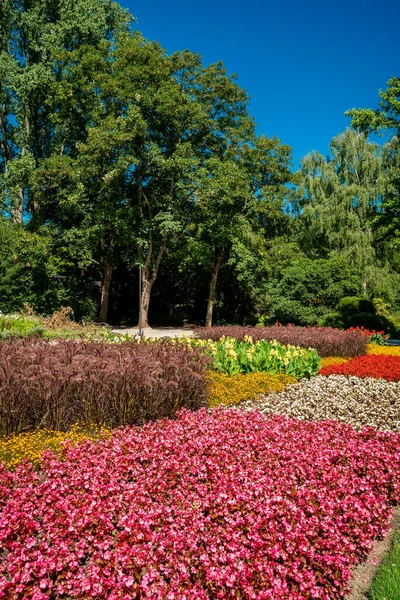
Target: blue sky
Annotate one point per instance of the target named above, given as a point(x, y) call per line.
point(303, 63)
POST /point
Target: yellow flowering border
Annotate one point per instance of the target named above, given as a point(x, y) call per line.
point(229, 390)
point(388, 350)
point(32, 444)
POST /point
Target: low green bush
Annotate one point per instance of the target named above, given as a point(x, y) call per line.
point(19, 326)
point(354, 311)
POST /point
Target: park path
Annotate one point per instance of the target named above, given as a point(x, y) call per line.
point(155, 333)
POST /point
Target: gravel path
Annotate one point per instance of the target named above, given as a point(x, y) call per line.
point(149, 332)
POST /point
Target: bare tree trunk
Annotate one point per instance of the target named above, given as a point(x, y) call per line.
point(19, 209)
point(213, 286)
point(145, 298)
point(105, 292)
point(364, 284)
point(149, 275)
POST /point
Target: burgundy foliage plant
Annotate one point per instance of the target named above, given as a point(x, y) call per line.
point(55, 385)
point(327, 341)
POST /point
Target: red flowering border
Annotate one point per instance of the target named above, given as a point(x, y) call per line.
point(379, 366)
point(368, 332)
point(220, 505)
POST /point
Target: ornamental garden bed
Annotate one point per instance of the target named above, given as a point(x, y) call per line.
point(280, 497)
point(211, 505)
point(326, 340)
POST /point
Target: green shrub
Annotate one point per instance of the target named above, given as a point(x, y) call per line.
point(19, 326)
point(333, 319)
point(354, 311)
point(395, 319)
point(308, 289)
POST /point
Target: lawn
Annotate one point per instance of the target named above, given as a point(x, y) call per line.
point(386, 585)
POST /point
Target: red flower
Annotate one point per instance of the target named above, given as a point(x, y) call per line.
point(380, 366)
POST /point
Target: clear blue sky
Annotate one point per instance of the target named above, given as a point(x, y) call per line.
point(303, 63)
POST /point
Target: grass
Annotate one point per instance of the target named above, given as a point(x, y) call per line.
point(386, 585)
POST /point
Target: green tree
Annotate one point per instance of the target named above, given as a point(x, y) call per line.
point(341, 195)
point(153, 119)
point(387, 116)
point(307, 289)
point(35, 38)
point(386, 119)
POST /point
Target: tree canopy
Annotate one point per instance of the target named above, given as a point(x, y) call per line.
point(116, 156)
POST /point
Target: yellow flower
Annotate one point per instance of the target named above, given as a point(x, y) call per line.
point(333, 360)
point(390, 350)
point(231, 389)
point(32, 444)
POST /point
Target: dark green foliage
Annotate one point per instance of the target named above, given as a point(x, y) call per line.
point(353, 311)
point(26, 270)
point(308, 289)
point(35, 270)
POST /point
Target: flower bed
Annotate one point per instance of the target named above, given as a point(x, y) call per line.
point(333, 360)
point(327, 341)
point(232, 389)
point(388, 350)
point(358, 402)
point(220, 505)
point(231, 356)
point(56, 385)
point(31, 445)
point(372, 365)
point(375, 337)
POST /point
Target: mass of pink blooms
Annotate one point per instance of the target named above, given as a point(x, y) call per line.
point(209, 506)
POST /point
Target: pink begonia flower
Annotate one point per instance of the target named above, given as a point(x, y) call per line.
point(209, 506)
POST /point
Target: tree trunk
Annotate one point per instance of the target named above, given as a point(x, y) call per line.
point(211, 296)
point(145, 299)
point(149, 275)
point(105, 292)
point(364, 285)
point(19, 209)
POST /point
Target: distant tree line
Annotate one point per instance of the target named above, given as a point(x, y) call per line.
point(115, 156)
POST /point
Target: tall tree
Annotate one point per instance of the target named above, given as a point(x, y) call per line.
point(341, 195)
point(152, 119)
point(387, 116)
point(33, 36)
point(238, 205)
point(386, 119)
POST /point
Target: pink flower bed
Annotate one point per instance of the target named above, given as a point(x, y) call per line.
point(210, 506)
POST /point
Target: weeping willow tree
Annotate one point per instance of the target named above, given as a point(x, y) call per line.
point(341, 195)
